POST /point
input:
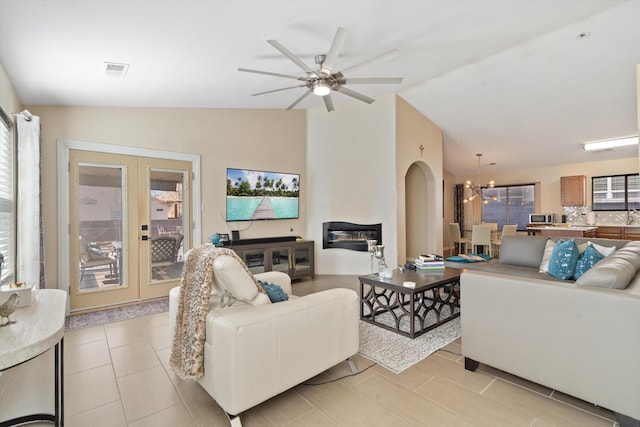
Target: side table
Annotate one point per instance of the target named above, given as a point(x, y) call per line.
point(38, 328)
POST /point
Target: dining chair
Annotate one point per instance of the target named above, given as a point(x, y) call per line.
point(507, 230)
point(481, 236)
point(457, 239)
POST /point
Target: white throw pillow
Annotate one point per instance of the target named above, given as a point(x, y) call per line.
point(604, 250)
point(546, 256)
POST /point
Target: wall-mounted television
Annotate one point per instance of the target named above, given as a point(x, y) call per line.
point(256, 195)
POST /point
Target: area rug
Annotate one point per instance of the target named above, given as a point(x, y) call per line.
point(396, 352)
point(116, 314)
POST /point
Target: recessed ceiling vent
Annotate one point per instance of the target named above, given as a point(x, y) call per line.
point(114, 69)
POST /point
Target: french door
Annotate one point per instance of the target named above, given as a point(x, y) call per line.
point(130, 226)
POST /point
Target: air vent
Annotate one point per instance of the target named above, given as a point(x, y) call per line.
point(114, 69)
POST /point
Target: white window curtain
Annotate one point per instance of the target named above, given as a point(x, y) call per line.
point(7, 200)
point(30, 250)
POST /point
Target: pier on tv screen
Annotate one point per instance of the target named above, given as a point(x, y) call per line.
point(255, 195)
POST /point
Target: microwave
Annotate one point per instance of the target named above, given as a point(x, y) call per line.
point(542, 218)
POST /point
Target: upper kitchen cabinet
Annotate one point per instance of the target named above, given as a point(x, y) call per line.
point(574, 190)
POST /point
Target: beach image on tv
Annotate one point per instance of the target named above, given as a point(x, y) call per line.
point(255, 195)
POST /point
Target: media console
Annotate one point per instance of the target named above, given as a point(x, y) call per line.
point(286, 254)
point(261, 240)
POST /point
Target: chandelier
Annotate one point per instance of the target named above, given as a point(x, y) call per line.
point(477, 190)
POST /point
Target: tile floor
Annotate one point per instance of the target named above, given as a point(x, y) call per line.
point(117, 375)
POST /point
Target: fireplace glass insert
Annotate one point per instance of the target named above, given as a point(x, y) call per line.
point(346, 235)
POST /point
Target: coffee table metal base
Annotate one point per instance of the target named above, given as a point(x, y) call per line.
point(407, 311)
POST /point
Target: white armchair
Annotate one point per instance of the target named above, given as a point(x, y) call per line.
point(254, 350)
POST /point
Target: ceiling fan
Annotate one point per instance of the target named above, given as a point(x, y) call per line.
point(324, 80)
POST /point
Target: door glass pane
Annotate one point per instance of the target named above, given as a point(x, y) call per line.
point(167, 224)
point(255, 260)
point(101, 227)
point(280, 260)
point(303, 260)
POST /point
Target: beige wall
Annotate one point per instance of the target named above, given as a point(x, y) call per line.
point(419, 227)
point(270, 140)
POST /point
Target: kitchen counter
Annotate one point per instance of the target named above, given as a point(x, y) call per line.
point(560, 231)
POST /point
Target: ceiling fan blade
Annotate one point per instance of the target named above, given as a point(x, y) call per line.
point(291, 56)
point(382, 57)
point(277, 90)
point(297, 101)
point(373, 80)
point(354, 94)
point(328, 102)
point(334, 51)
point(269, 73)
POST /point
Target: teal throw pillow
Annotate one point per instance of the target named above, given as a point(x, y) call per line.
point(275, 292)
point(564, 259)
point(589, 257)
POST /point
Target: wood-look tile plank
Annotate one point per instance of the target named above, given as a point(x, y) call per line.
point(86, 356)
point(277, 411)
point(146, 392)
point(411, 408)
point(589, 407)
point(171, 417)
point(542, 407)
point(202, 407)
point(89, 389)
point(313, 418)
point(346, 407)
point(128, 359)
point(109, 415)
point(472, 407)
point(436, 365)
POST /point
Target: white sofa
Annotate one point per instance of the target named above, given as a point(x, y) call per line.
point(574, 337)
point(253, 353)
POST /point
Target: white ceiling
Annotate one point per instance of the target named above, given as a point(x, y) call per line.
point(506, 78)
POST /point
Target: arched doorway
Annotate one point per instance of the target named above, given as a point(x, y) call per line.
point(420, 210)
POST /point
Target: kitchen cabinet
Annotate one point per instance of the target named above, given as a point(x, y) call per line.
point(573, 190)
point(631, 233)
point(620, 232)
point(609, 232)
point(293, 258)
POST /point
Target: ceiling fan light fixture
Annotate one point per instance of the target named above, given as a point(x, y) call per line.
point(321, 88)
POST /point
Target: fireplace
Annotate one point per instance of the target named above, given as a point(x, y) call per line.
point(345, 235)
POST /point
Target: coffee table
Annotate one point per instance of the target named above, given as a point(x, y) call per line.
point(411, 311)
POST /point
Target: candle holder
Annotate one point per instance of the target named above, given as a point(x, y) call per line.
point(371, 247)
point(382, 265)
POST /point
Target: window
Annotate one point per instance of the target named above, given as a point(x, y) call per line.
point(7, 206)
point(616, 192)
point(514, 204)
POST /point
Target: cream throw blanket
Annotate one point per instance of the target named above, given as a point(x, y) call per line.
point(187, 353)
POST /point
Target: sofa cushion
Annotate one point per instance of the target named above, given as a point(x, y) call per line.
point(232, 276)
point(631, 252)
point(614, 272)
point(564, 259)
point(587, 259)
point(524, 251)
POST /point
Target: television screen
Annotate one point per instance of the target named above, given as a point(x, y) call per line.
point(254, 195)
